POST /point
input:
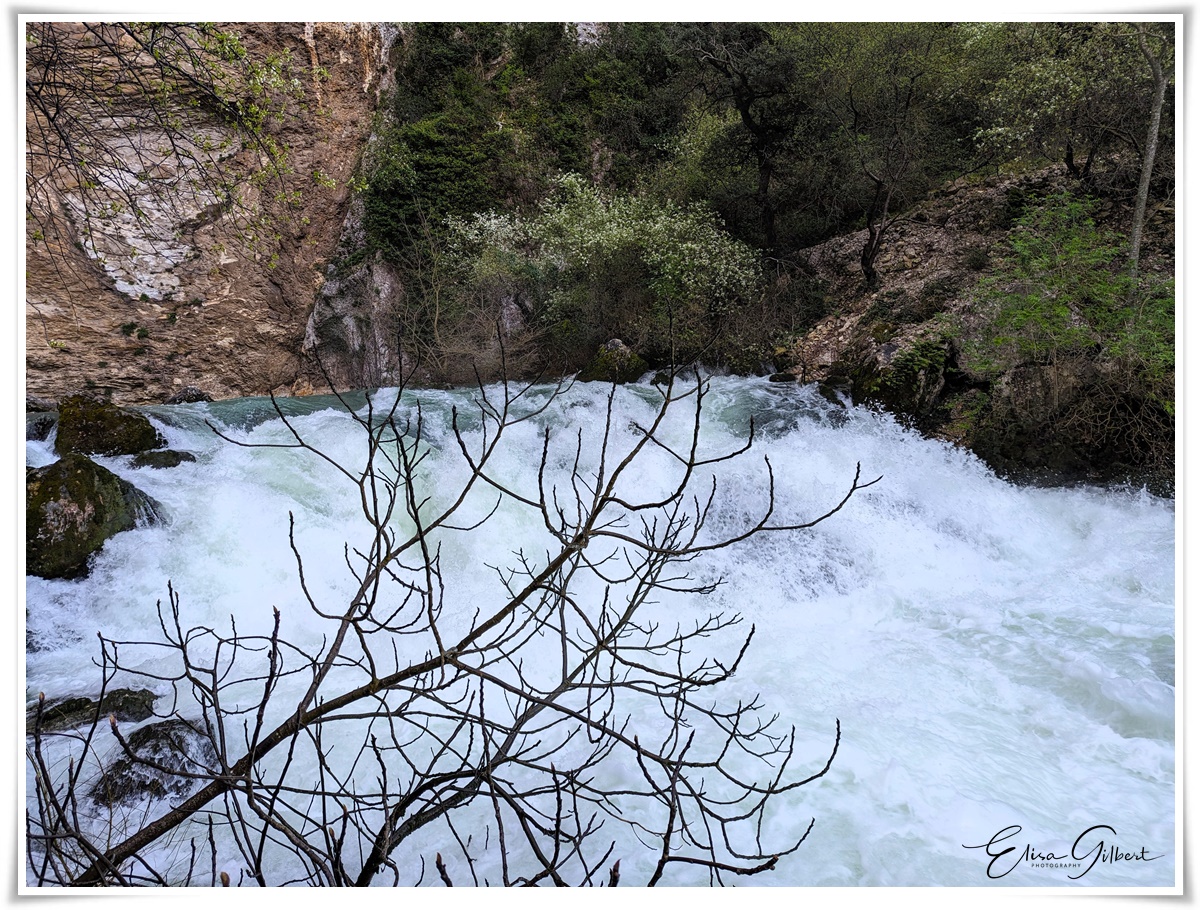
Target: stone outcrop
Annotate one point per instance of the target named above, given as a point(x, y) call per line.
point(92, 426)
point(889, 346)
point(168, 750)
point(40, 424)
point(143, 308)
point(351, 327)
point(71, 508)
point(163, 458)
point(189, 395)
point(123, 704)
point(614, 362)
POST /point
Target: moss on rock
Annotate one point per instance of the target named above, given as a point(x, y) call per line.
point(614, 362)
point(163, 458)
point(94, 427)
point(71, 508)
point(124, 704)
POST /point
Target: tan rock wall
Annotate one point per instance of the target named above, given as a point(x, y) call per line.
point(189, 296)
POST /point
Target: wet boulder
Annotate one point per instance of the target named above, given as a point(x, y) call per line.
point(40, 424)
point(162, 458)
point(65, 713)
point(164, 753)
point(71, 508)
point(614, 362)
point(92, 426)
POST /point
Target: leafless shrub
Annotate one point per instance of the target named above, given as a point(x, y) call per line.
point(473, 752)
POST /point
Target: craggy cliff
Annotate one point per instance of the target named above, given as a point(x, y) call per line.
point(188, 296)
point(450, 198)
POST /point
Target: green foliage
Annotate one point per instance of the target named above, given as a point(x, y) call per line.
point(1062, 289)
point(595, 266)
point(452, 148)
point(485, 113)
point(440, 166)
point(650, 271)
point(1057, 284)
point(1069, 92)
point(697, 143)
point(928, 353)
point(1143, 339)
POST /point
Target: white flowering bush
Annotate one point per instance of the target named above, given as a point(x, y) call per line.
point(690, 260)
point(596, 267)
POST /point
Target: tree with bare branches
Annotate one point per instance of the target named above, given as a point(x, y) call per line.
point(556, 735)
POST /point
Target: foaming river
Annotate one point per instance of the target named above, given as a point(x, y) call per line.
point(997, 656)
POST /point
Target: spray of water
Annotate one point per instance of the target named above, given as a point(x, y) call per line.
point(997, 656)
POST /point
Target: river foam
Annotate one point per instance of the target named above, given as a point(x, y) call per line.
point(996, 655)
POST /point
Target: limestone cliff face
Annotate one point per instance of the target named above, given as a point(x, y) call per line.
point(140, 308)
point(352, 328)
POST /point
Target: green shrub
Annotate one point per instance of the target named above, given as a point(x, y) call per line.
point(593, 267)
point(1063, 289)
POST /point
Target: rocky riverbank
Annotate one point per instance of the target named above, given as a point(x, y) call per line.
point(907, 346)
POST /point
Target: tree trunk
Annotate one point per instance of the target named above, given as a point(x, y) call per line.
point(866, 258)
point(1143, 193)
point(875, 230)
point(766, 207)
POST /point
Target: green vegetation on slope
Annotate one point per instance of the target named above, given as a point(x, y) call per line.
point(660, 183)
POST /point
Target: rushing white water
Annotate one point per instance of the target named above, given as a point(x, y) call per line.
point(996, 655)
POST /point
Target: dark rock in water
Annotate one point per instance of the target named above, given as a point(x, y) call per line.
point(834, 391)
point(614, 362)
point(39, 424)
point(175, 746)
point(71, 508)
point(188, 395)
point(162, 458)
point(124, 704)
point(782, 377)
point(33, 403)
point(96, 427)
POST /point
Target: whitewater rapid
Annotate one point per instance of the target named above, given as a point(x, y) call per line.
point(996, 655)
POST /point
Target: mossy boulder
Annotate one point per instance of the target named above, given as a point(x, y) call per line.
point(95, 427)
point(123, 704)
point(71, 508)
point(162, 458)
point(173, 747)
point(912, 383)
point(1071, 421)
point(614, 362)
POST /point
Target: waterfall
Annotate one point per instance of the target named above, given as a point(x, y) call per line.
point(996, 655)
